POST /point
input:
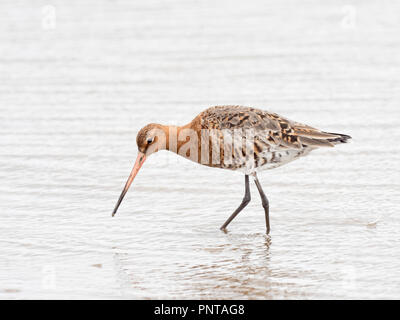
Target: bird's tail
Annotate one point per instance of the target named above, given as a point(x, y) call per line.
point(311, 137)
point(340, 138)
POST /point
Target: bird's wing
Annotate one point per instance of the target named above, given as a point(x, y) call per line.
point(269, 128)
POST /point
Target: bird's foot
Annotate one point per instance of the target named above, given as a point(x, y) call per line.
point(223, 230)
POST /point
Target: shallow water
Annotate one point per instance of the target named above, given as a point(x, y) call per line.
point(74, 93)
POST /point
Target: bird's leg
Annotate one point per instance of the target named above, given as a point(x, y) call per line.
point(264, 201)
point(244, 203)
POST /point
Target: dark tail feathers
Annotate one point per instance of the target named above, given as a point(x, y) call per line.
point(341, 138)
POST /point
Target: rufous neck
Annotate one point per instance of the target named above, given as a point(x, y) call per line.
point(175, 137)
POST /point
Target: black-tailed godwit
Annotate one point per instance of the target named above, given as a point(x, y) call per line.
point(235, 138)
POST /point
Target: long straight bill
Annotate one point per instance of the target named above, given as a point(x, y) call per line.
point(141, 157)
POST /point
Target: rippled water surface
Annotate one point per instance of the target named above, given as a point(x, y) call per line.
point(73, 96)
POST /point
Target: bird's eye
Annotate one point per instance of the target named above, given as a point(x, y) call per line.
point(150, 140)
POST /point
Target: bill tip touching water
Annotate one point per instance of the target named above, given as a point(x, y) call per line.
point(235, 138)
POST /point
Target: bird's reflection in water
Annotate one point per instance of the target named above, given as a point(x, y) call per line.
point(238, 267)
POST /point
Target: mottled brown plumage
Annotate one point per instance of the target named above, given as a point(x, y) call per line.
point(277, 140)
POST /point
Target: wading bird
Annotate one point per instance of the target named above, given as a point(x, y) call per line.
point(257, 140)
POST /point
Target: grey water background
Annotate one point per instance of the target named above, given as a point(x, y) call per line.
point(78, 79)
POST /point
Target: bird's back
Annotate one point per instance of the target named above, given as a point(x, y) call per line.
point(277, 140)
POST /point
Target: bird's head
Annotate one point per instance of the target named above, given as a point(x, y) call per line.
point(150, 139)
